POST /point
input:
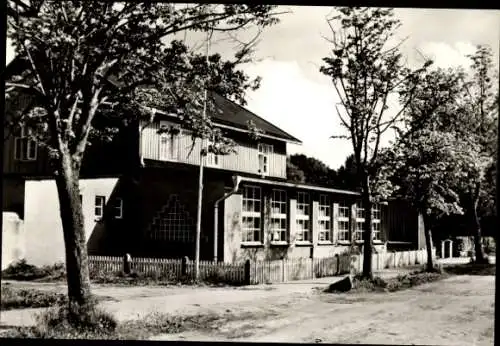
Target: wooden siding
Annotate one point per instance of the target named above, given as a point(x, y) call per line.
point(13, 109)
point(246, 159)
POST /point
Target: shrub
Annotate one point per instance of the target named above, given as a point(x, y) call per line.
point(365, 284)
point(23, 271)
point(471, 269)
point(217, 276)
point(489, 245)
point(15, 298)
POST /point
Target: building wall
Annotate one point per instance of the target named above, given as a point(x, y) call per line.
point(13, 239)
point(13, 195)
point(246, 159)
point(44, 242)
point(154, 190)
point(235, 250)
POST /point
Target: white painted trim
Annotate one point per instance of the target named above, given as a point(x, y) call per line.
point(298, 186)
point(234, 128)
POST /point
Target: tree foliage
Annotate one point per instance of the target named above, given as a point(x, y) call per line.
point(315, 171)
point(365, 72)
point(294, 173)
point(87, 62)
point(428, 169)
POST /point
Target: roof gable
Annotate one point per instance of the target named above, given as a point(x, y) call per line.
point(232, 114)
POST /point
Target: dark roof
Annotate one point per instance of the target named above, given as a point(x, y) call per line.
point(232, 114)
point(229, 114)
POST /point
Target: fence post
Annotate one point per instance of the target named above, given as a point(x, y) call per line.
point(282, 269)
point(127, 259)
point(247, 272)
point(185, 261)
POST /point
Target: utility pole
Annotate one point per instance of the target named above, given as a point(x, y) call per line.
point(200, 181)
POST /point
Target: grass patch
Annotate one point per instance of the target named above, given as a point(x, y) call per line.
point(23, 271)
point(19, 298)
point(416, 278)
point(57, 324)
point(89, 322)
point(401, 282)
point(471, 269)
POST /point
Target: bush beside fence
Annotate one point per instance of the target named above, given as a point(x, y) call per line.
point(255, 272)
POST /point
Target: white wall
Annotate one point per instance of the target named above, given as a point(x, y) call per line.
point(44, 242)
point(13, 240)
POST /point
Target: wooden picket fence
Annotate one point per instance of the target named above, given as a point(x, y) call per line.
point(256, 272)
point(170, 269)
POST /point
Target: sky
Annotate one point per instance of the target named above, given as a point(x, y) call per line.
point(295, 96)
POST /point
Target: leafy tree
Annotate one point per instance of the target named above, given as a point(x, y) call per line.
point(478, 122)
point(294, 173)
point(87, 61)
point(451, 101)
point(347, 174)
point(429, 166)
point(365, 73)
point(315, 171)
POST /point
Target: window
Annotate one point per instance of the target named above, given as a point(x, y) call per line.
point(377, 214)
point(278, 216)
point(303, 231)
point(100, 202)
point(212, 159)
point(251, 215)
point(264, 151)
point(25, 148)
point(360, 211)
point(343, 222)
point(168, 143)
point(360, 222)
point(324, 219)
point(175, 224)
point(118, 208)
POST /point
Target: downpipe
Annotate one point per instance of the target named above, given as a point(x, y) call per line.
point(236, 183)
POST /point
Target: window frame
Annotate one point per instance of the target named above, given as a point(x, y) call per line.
point(264, 152)
point(303, 218)
point(343, 219)
point(118, 207)
point(377, 220)
point(212, 158)
point(281, 216)
point(101, 207)
point(360, 220)
point(22, 145)
point(251, 215)
point(325, 215)
point(170, 141)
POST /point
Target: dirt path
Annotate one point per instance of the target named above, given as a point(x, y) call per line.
point(127, 302)
point(456, 311)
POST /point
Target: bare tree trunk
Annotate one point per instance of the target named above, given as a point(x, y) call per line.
point(428, 242)
point(367, 234)
point(478, 248)
point(75, 241)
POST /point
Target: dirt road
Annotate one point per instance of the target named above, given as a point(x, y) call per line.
point(456, 311)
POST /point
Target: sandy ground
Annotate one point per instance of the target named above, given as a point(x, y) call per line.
point(456, 311)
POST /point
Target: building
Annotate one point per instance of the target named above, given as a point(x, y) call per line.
point(139, 195)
